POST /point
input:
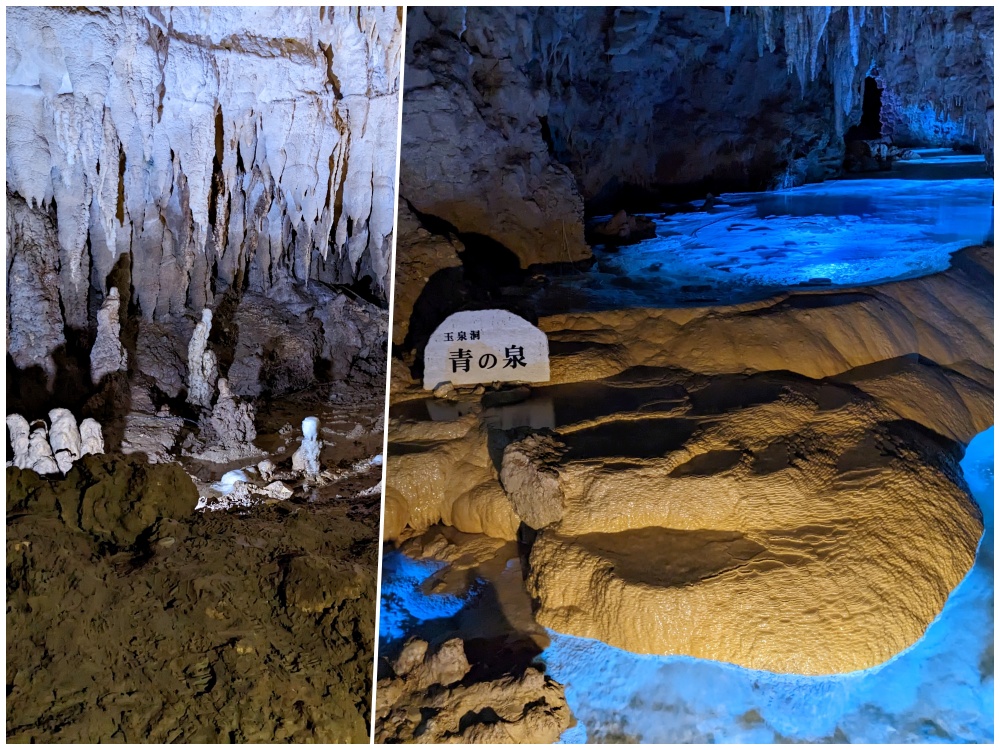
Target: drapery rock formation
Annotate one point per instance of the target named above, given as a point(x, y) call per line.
point(180, 154)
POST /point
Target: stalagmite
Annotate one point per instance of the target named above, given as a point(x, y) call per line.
point(40, 457)
point(202, 366)
point(229, 430)
point(64, 438)
point(108, 355)
point(306, 458)
point(91, 437)
point(19, 431)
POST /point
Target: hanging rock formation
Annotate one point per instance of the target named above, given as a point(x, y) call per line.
point(178, 153)
point(108, 354)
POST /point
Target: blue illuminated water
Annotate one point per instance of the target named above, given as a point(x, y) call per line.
point(939, 690)
point(750, 246)
point(404, 603)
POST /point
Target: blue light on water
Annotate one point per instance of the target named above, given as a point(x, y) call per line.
point(404, 602)
point(751, 245)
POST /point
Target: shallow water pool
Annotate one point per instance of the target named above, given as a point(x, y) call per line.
point(748, 246)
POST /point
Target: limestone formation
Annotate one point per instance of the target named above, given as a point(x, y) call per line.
point(501, 181)
point(91, 437)
point(428, 701)
point(56, 448)
point(228, 431)
point(40, 458)
point(202, 366)
point(306, 458)
point(65, 438)
point(156, 437)
point(765, 521)
point(816, 334)
point(19, 431)
point(531, 482)
point(258, 152)
point(442, 472)
point(108, 355)
point(773, 484)
point(622, 229)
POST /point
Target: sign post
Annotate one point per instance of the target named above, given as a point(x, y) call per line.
point(485, 346)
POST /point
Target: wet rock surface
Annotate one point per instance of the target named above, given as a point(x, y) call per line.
point(430, 699)
point(731, 509)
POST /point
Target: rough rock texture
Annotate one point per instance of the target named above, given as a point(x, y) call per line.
point(427, 256)
point(154, 436)
point(108, 355)
point(945, 317)
point(473, 144)
point(663, 98)
point(34, 320)
point(131, 618)
point(227, 432)
point(111, 498)
point(202, 364)
point(531, 482)
point(427, 700)
point(767, 521)
point(442, 472)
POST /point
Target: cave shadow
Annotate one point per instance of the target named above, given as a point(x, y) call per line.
point(493, 646)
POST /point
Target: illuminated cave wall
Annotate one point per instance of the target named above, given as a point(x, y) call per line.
point(677, 101)
point(198, 149)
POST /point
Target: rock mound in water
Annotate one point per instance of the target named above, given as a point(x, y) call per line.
point(623, 229)
point(769, 521)
point(114, 498)
point(431, 699)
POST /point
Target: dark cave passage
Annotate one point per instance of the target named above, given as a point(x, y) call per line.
point(870, 126)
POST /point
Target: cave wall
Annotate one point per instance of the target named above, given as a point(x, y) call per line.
point(516, 119)
point(671, 100)
point(210, 148)
point(473, 152)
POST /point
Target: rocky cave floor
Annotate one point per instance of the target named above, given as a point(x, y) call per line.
point(546, 543)
point(133, 617)
point(443, 587)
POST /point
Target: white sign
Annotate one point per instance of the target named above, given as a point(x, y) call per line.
point(485, 346)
